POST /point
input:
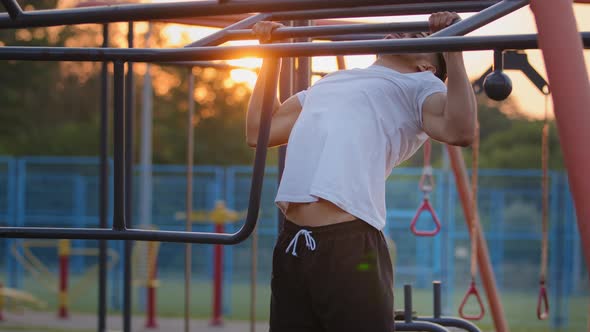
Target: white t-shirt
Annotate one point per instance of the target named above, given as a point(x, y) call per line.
point(354, 127)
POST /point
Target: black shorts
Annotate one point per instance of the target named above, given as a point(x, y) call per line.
point(345, 284)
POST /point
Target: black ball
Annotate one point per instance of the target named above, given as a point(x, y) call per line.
point(497, 85)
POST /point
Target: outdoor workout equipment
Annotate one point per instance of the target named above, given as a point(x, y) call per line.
point(408, 324)
point(190, 136)
point(219, 216)
point(497, 85)
point(426, 185)
point(253, 278)
point(543, 301)
point(60, 283)
point(558, 39)
point(472, 290)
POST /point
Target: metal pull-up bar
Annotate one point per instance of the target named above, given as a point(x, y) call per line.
point(315, 31)
point(414, 45)
point(12, 8)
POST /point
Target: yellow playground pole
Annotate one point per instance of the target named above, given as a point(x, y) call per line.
point(63, 251)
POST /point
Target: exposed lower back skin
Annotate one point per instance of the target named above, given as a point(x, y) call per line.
point(318, 213)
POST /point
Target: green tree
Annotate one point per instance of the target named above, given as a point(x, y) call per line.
point(507, 140)
point(51, 108)
point(513, 140)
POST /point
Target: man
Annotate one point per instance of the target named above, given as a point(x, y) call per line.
point(331, 268)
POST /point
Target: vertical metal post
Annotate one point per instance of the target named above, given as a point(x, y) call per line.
point(570, 89)
point(119, 150)
point(145, 192)
point(436, 297)
point(103, 200)
point(408, 303)
point(303, 71)
point(340, 62)
point(119, 146)
point(253, 278)
point(285, 91)
point(129, 101)
point(189, 198)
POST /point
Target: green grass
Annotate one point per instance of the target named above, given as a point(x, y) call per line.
point(519, 307)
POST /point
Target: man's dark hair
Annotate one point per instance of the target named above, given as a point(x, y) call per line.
point(441, 71)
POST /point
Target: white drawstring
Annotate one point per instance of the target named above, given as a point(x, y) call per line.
point(309, 241)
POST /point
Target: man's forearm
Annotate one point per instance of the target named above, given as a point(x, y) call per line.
point(256, 100)
point(461, 108)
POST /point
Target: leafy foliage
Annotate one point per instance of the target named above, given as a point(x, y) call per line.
point(508, 140)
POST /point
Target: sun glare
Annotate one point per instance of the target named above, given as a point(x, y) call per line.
point(247, 63)
point(244, 76)
point(245, 73)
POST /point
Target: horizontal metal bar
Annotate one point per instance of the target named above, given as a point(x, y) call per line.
point(203, 64)
point(419, 326)
point(413, 45)
point(220, 36)
point(153, 11)
point(451, 322)
point(386, 10)
point(313, 31)
point(373, 36)
point(12, 8)
point(482, 18)
point(128, 234)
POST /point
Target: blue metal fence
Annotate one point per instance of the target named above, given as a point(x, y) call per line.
point(53, 191)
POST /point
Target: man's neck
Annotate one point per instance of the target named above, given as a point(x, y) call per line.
point(396, 63)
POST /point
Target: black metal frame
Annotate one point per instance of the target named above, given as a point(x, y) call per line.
point(128, 245)
point(12, 8)
point(441, 41)
point(318, 31)
point(419, 45)
point(408, 323)
point(104, 188)
point(145, 12)
point(206, 49)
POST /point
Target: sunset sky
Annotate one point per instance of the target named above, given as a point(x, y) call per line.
point(527, 97)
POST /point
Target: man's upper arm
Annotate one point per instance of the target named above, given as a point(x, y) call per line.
point(433, 117)
point(283, 121)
